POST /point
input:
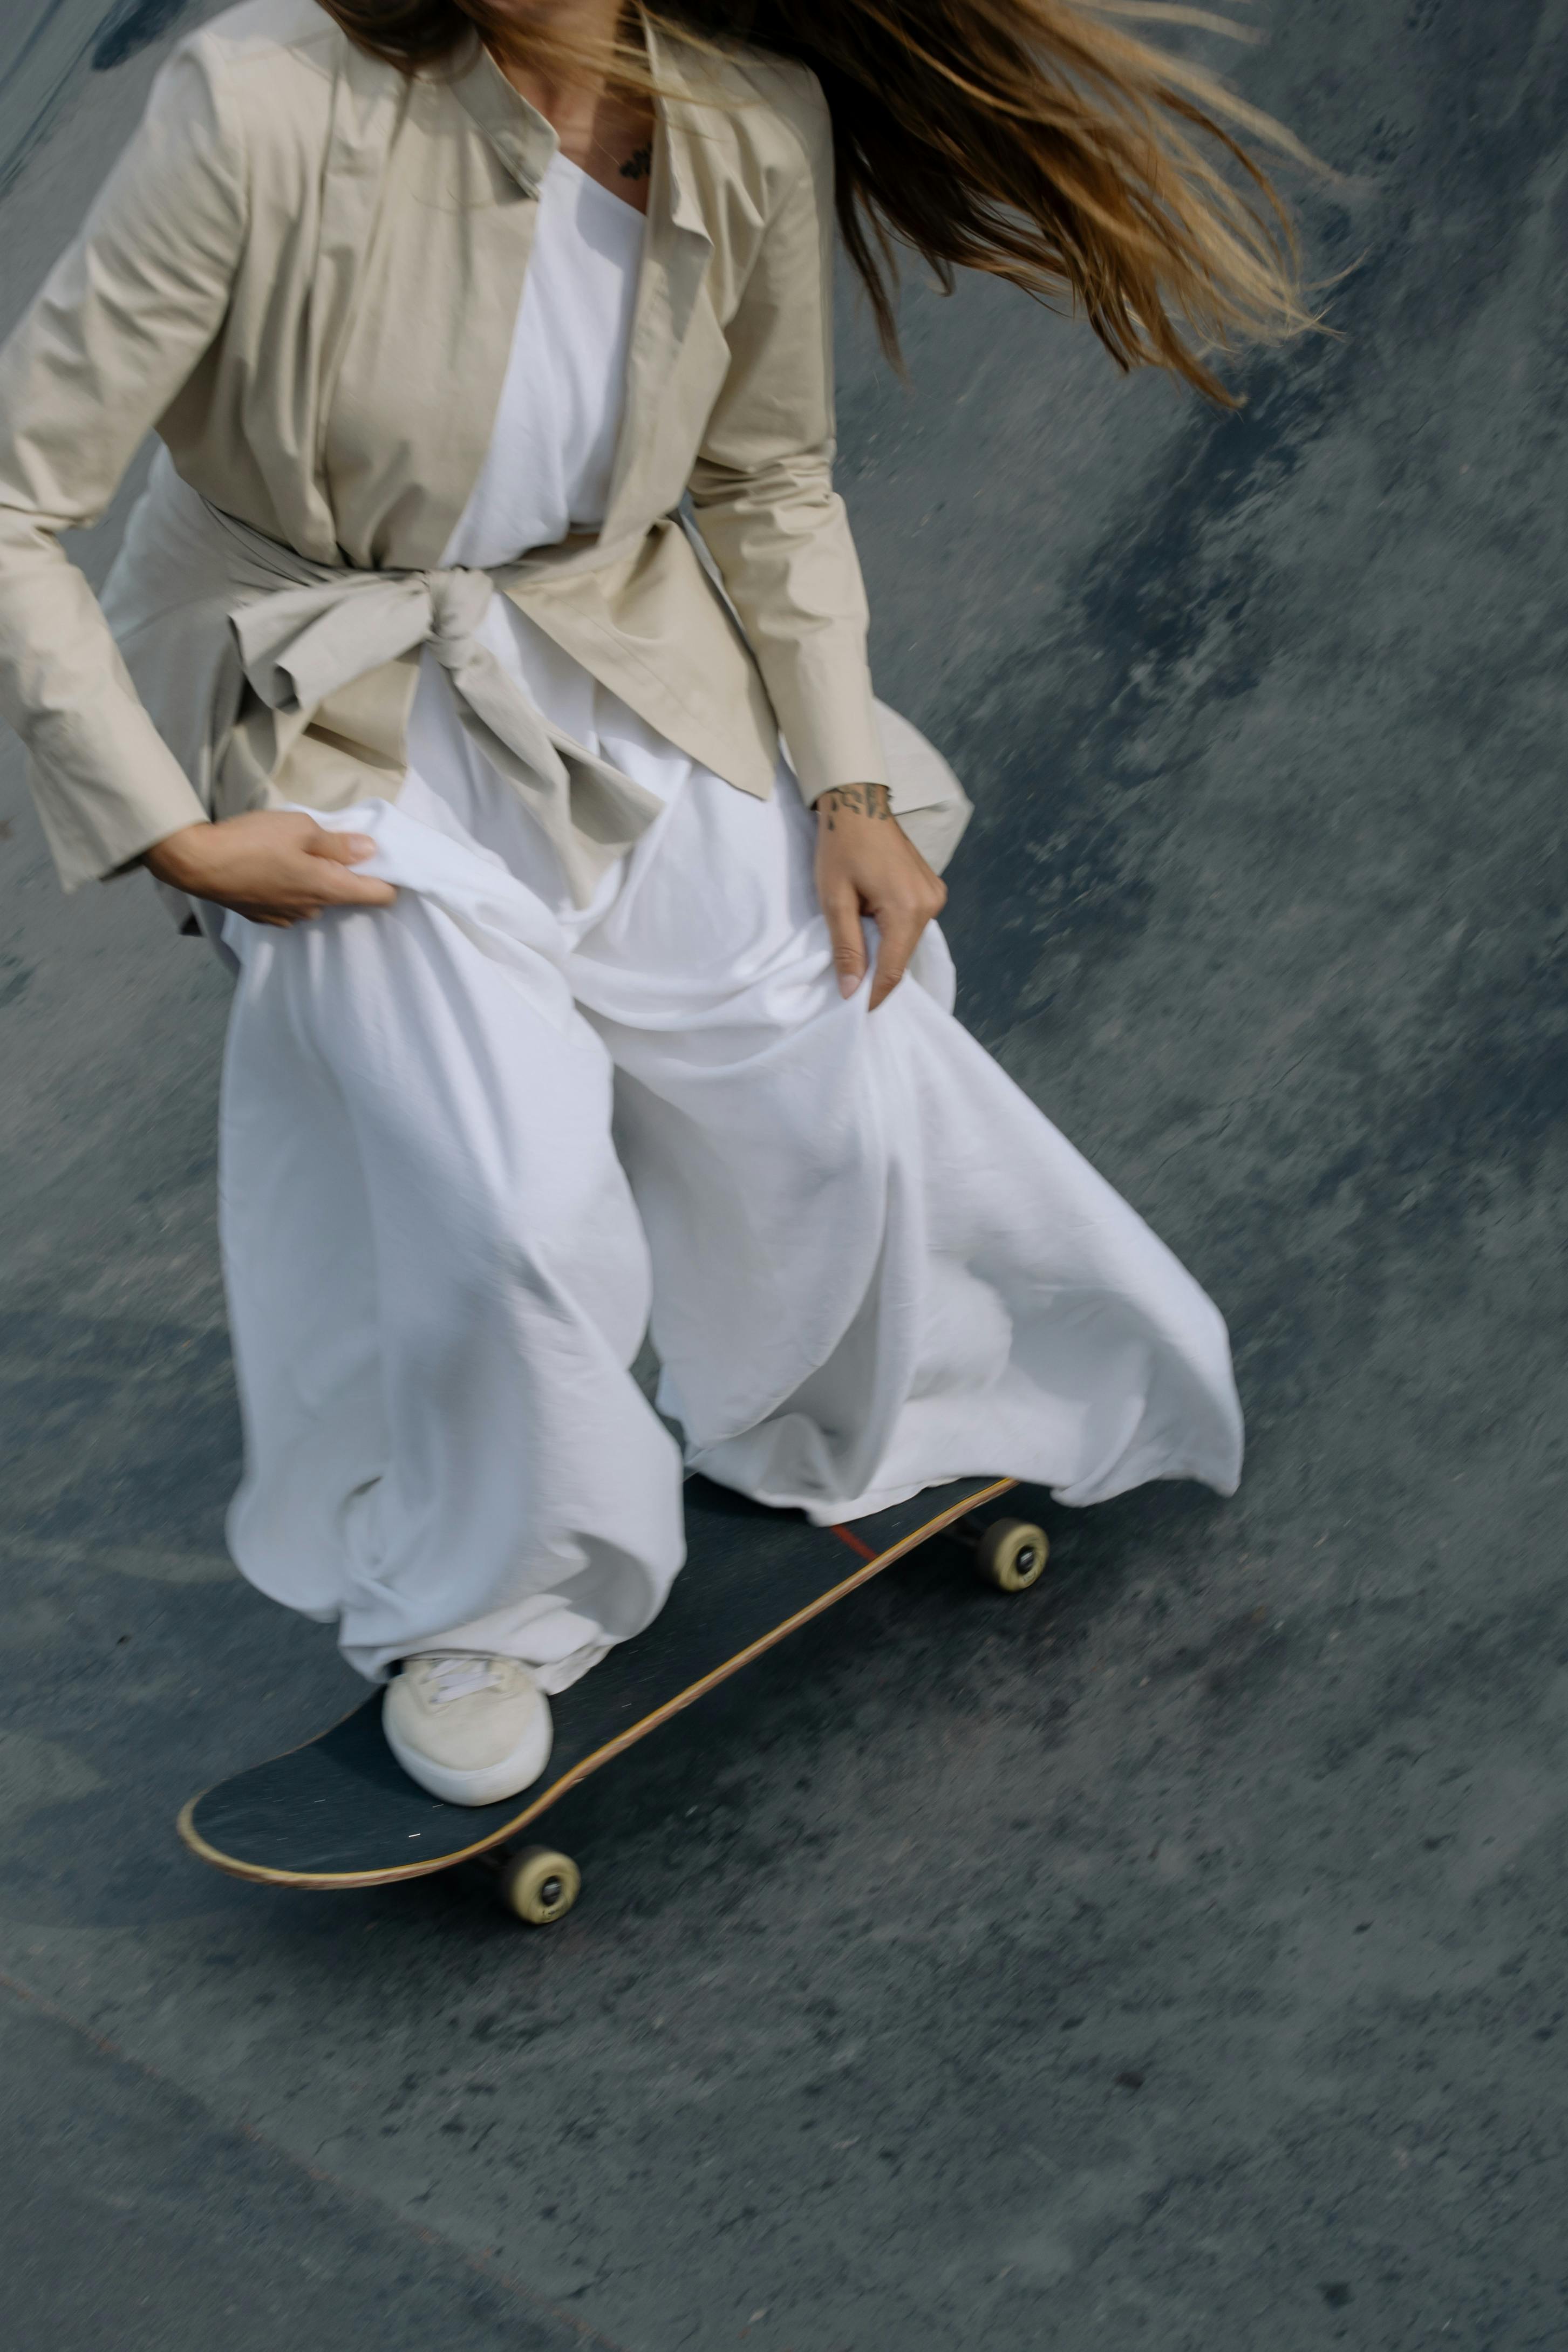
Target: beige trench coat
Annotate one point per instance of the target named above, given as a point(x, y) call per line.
point(304, 273)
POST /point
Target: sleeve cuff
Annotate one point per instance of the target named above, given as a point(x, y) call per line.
point(94, 838)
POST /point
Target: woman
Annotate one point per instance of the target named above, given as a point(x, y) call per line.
point(485, 670)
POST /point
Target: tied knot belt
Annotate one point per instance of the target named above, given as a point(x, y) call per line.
point(204, 604)
point(301, 644)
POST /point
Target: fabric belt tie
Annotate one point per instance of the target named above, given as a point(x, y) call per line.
point(301, 644)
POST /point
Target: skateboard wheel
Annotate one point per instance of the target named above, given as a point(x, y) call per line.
point(1012, 1554)
point(539, 1885)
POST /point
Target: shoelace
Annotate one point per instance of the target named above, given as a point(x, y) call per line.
point(461, 1675)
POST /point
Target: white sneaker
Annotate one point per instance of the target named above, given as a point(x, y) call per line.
point(470, 1727)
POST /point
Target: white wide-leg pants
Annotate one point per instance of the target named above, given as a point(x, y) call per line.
point(473, 1142)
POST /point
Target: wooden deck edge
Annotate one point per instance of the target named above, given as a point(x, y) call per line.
point(259, 1873)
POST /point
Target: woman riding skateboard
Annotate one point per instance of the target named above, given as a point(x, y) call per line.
point(484, 671)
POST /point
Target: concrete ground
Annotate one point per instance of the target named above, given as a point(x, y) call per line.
point(1177, 1957)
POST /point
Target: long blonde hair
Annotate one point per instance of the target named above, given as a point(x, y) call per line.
point(1043, 141)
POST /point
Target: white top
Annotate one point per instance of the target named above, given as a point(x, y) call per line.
point(548, 469)
point(547, 472)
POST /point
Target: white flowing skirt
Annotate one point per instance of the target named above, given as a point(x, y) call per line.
point(476, 1144)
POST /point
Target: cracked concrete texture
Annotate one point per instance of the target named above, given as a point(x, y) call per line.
point(1176, 1957)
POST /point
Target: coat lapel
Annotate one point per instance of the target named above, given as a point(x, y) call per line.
point(676, 254)
point(368, 98)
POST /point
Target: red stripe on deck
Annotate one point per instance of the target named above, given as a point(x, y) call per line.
point(866, 1551)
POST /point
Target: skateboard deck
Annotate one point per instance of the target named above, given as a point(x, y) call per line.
point(339, 1812)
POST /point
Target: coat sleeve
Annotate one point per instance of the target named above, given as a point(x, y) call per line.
point(762, 493)
point(122, 322)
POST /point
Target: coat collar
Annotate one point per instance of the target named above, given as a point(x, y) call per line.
point(519, 134)
point(525, 142)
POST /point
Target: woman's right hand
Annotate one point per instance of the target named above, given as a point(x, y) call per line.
point(271, 865)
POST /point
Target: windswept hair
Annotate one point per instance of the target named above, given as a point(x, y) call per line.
point(1043, 141)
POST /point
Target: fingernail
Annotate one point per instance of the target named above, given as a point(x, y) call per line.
point(847, 984)
point(361, 844)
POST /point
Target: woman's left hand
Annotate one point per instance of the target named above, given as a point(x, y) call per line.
point(866, 865)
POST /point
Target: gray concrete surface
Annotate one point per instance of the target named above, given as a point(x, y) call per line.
point(1176, 1959)
point(128, 2220)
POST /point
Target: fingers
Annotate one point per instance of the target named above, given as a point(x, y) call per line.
point(869, 868)
point(349, 848)
point(339, 886)
point(842, 909)
point(901, 915)
point(331, 879)
point(898, 932)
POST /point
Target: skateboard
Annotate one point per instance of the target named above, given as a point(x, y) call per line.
point(339, 1812)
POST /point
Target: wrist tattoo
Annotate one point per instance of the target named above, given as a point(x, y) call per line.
point(852, 800)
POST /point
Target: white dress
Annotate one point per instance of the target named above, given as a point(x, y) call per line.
point(473, 1142)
